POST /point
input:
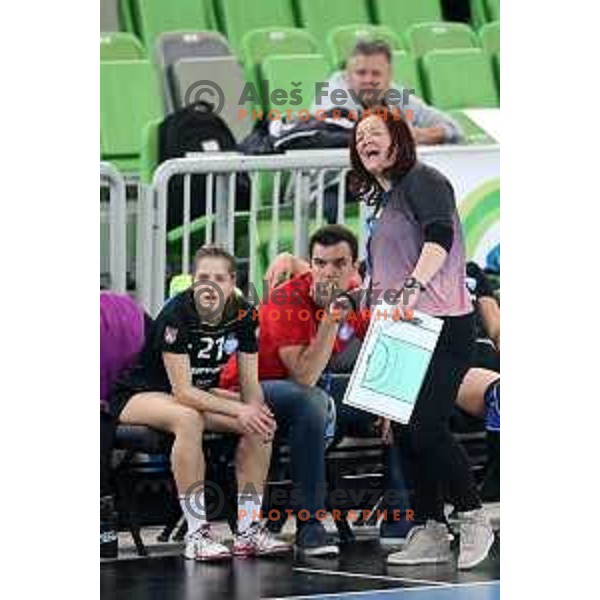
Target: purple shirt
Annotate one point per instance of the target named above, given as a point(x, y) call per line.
point(121, 337)
point(422, 197)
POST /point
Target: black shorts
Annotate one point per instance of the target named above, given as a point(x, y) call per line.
point(486, 356)
point(121, 395)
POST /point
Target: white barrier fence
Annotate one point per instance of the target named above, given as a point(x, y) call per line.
point(117, 218)
point(297, 184)
point(293, 170)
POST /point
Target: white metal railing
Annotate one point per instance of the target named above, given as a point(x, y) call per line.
point(117, 215)
point(221, 169)
point(298, 183)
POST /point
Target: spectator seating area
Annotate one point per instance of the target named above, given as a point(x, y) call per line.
point(152, 50)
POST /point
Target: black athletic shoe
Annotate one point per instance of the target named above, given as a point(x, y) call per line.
point(311, 540)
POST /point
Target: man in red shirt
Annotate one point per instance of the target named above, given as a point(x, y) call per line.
point(299, 327)
point(294, 332)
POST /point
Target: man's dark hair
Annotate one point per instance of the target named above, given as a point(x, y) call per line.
point(213, 251)
point(371, 47)
point(361, 182)
point(330, 235)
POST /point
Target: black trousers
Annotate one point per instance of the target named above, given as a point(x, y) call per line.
point(107, 437)
point(440, 462)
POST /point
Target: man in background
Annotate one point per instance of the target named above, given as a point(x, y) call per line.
point(368, 74)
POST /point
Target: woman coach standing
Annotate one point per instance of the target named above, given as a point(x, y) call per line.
point(415, 243)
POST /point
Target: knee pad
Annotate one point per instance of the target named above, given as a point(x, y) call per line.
point(492, 406)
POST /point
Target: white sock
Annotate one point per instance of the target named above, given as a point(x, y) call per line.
point(194, 510)
point(249, 506)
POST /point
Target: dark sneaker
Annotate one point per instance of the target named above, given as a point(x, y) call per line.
point(311, 540)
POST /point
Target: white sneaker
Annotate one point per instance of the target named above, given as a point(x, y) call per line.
point(476, 538)
point(426, 544)
point(257, 540)
point(202, 545)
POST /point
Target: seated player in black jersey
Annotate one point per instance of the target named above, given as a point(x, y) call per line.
point(172, 387)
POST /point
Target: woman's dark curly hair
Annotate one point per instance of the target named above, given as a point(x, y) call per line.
point(361, 183)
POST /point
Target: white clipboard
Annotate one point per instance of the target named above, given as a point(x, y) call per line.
point(392, 363)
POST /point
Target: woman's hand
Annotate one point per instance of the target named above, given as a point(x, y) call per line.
point(257, 418)
point(407, 300)
point(385, 428)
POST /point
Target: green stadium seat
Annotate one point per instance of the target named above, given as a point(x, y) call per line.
point(280, 71)
point(128, 16)
point(401, 14)
point(489, 36)
point(110, 17)
point(473, 133)
point(149, 150)
point(261, 43)
point(238, 18)
point(478, 13)
point(405, 71)
point(258, 44)
point(423, 37)
point(493, 9)
point(120, 46)
point(496, 65)
point(129, 100)
point(321, 17)
point(457, 79)
point(341, 41)
point(154, 17)
point(211, 16)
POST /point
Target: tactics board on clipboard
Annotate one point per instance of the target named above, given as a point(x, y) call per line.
point(392, 364)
